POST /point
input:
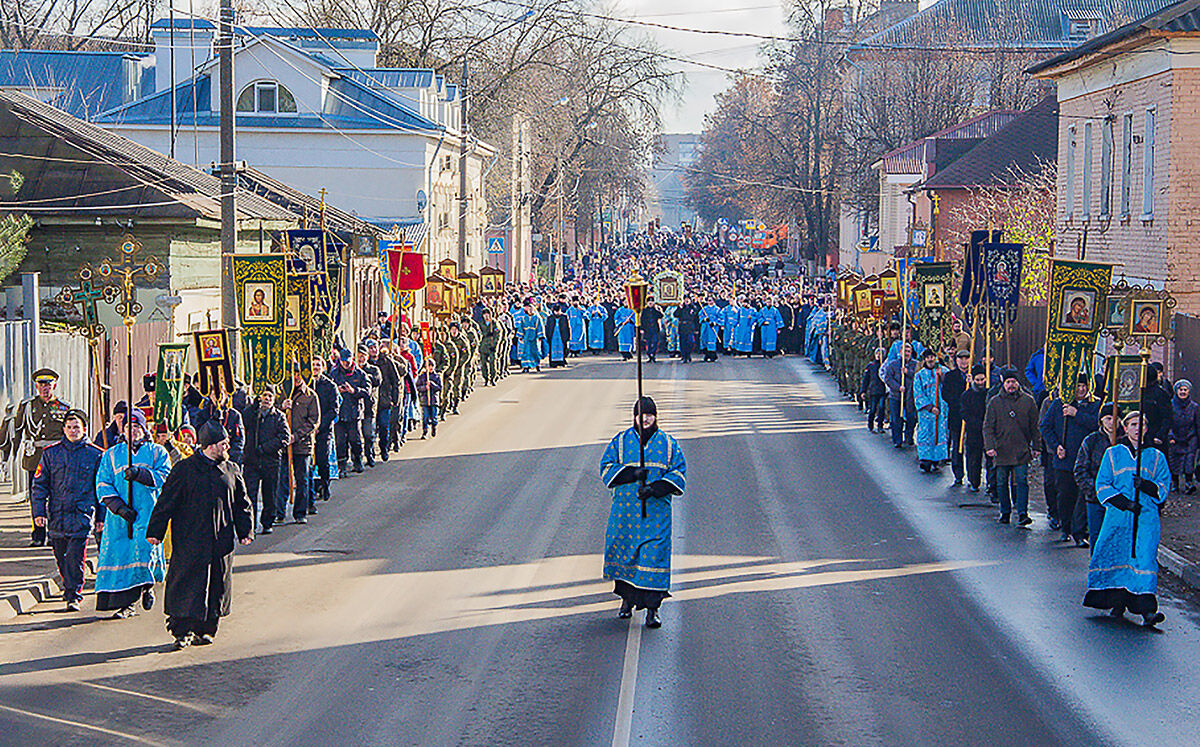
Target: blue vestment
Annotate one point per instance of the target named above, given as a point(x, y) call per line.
point(729, 324)
point(894, 350)
point(596, 315)
point(1113, 564)
point(125, 563)
point(743, 333)
point(932, 436)
point(636, 550)
point(623, 319)
point(770, 322)
point(711, 318)
point(531, 333)
point(671, 332)
point(578, 341)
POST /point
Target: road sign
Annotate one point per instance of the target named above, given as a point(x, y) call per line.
point(495, 245)
point(422, 201)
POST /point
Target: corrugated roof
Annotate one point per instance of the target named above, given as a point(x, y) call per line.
point(1181, 17)
point(912, 158)
point(90, 82)
point(388, 77)
point(160, 175)
point(295, 32)
point(1021, 147)
point(1005, 24)
point(284, 195)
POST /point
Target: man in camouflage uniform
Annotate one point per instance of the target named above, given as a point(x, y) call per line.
point(462, 352)
point(36, 424)
point(489, 339)
point(445, 356)
point(471, 330)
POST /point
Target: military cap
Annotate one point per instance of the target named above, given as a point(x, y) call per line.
point(45, 375)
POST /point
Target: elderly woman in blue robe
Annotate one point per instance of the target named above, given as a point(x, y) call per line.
point(933, 436)
point(531, 333)
point(128, 566)
point(637, 545)
point(1123, 572)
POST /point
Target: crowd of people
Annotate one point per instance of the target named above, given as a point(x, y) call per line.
point(991, 425)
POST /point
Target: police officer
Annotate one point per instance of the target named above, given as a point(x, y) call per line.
point(36, 424)
point(63, 496)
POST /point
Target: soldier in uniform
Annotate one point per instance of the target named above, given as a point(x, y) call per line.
point(445, 356)
point(489, 337)
point(462, 354)
point(35, 424)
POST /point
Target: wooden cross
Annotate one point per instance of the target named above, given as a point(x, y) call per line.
point(86, 297)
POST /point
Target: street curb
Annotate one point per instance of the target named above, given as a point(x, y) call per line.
point(13, 603)
point(1175, 564)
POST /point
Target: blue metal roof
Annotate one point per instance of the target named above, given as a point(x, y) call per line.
point(92, 82)
point(200, 24)
point(156, 108)
point(373, 107)
point(389, 77)
point(291, 32)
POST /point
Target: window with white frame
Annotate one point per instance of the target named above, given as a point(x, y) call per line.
point(266, 97)
point(1069, 192)
point(1106, 165)
point(1148, 165)
point(1087, 170)
point(1126, 162)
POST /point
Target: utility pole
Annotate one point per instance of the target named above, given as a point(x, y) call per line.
point(562, 232)
point(228, 177)
point(462, 170)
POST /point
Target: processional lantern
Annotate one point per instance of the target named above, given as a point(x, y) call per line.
point(636, 291)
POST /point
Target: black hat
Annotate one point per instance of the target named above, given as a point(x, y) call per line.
point(646, 406)
point(1083, 378)
point(75, 412)
point(978, 369)
point(929, 353)
point(1106, 409)
point(1008, 373)
point(211, 433)
point(120, 407)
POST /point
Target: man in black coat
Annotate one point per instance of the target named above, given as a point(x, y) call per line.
point(330, 401)
point(204, 499)
point(389, 396)
point(972, 408)
point(267, 434)
point(688, 316)
point(954, 383)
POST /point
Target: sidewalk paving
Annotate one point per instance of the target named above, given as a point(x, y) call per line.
point(28, 575)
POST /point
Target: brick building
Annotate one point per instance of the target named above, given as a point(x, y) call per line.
point(1128, 142)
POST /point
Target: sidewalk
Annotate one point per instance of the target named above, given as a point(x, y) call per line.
point(27, 574)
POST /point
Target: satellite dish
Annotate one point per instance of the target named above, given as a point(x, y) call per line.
point(422, 201)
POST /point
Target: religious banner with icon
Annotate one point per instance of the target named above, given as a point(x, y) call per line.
point(1123, 377)
point(1002, 280)
point(214, 363)
point(298, 324)
point(1035, 277)
point(861, 294)
point(971, 292)
point(260, 290)
point(491, 282)
point(668, 288)
point(931, 287)
point(1077, 292)
point(168, 384)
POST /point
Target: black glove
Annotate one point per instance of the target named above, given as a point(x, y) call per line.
point(1123, 503)
point(645, 493)
point(1146, 486)
point(640, 473)
point(138, 473)
point(127, 513)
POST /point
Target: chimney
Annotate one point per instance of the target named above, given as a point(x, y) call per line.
point(833, 20)
point(186, 39)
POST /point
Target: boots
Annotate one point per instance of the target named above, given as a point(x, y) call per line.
point(626, 610)
point(652, 619)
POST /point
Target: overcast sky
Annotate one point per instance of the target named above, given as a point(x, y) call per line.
point(758, 16)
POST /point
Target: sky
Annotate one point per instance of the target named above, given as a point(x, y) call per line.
point(757, 16)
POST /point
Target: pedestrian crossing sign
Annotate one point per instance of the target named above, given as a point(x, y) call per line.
point(495, 245)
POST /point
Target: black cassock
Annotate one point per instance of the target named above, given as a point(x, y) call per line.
point(206, 504)
point(610, 332)
point(787, 334)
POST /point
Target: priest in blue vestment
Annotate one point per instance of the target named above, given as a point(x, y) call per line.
point(933, 435)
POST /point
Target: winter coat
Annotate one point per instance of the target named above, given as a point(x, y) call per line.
point(63, 490)
point(206, 505)
point(306, 416)
point(1010, 427)
point(375, 378)
point(954, 383)
point(972, 407)
point(266, 435)
point(1087, 463)
point(351, 408)
point(893, 380)
point(872, 385)
point(329, 399)
point(1086, 420)
point(428, 387)
point(389, 386)
point(231, 421)
point(1183, 432)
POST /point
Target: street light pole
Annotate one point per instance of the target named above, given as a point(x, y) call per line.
point(462, 170)
point(228, 177)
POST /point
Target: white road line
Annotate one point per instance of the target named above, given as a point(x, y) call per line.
point(78, 725)
point(201, 708)
point(624, 723)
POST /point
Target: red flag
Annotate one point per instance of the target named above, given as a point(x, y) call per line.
point(407, 270)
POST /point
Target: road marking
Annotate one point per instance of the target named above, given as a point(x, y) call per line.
point(624, 723)
point(78, 725)
point(205, 709)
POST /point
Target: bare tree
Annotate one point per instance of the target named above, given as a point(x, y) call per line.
point(74, 24)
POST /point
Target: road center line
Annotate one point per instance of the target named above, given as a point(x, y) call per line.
point(205, 709)
point(79, 725)
point(624, 723)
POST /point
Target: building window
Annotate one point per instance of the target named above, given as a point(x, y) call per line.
point(1079, 31)
point(1069, 192)
point(1106, 164)
point(1126, 161)
point(266, 97)
point(1148, 167)
point(1087, 170)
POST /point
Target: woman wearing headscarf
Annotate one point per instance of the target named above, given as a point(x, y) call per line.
point(128, 566)
point(1182, 435)
point(1123, 572)
point(637, 547)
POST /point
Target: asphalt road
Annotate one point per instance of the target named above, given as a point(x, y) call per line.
point(825, 592)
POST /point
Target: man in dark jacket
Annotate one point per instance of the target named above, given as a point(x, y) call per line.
point(389, 395)
point(1010, 436)
point(266, 435)
point(204, 499)
point(304, 415)
point(1087, 466)
point(1063, 428)
point(374, 379)
point(874, 393)
point(329, 400)
point(229, 418)
point(972, 408)
point(63, 493)
point(429, 385)
point(354, 387)
point(954, 383)
point(489, 339)
point(898, 376)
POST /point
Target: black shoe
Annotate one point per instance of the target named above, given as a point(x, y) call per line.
point(1150, 621)
point(312, 510)
point(204, 640)
point(266, 530)
point(124, 613)
point(383, 455)
point(148, 599)
point(370, 464)
point(1054, 524)
point(1082, 542)
point(1117, 612)
point(958, 481)
point(1024, 520)
point(974, 488)
point(626, 610)
point(183, 641)
point(358, 469)
point(1003, 518)
point(652, 619)
point(73, 605)
point(300, 520)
